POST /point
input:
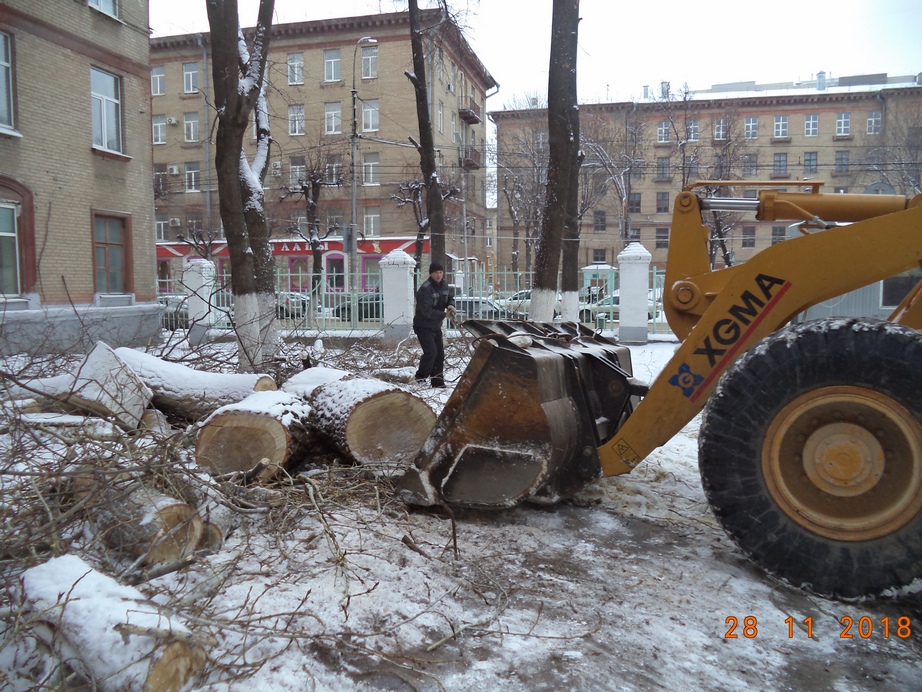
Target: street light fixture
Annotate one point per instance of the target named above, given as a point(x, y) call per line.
point(352, 240)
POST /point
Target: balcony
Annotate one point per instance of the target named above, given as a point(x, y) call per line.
point(470, 158)
point(471, 114)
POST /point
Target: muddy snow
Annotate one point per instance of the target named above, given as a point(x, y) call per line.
point(631, 586)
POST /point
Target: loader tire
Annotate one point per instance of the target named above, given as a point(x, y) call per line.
point(810, 454)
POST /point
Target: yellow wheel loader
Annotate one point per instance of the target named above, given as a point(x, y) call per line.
point(810, 448)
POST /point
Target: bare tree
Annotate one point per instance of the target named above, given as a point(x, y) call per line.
point(564, 158)
point(238, 70)
point(894, 150)
point(410, 194)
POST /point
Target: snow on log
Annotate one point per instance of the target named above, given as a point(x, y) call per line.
point(371, 421)
point(107, 632)
point(191, 394)
point(264, 427)
point(142, 522)
point(306, 381)
point(103, 384)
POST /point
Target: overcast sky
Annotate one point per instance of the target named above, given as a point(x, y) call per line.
point(626, 45)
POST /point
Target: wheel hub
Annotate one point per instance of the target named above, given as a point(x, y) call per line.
point(843, 459)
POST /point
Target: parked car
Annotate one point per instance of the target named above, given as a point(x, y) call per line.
point(483, 309)
point(292, 305)
point(370, 307)
point(520, 301)
point(610, 306)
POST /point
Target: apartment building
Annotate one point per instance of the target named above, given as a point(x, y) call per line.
point(317, 72)
point(853, 134)
point(76, 221)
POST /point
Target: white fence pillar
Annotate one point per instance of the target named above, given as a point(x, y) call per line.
point(398, 293)
point(199, 279)
point(634, 287)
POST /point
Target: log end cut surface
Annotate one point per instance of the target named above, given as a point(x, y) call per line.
point(179, 663)
point(391, 426)
point(239, 441)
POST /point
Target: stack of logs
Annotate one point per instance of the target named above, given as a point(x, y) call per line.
point(247, 428)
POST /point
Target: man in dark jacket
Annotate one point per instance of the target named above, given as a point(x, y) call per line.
point(433, 301)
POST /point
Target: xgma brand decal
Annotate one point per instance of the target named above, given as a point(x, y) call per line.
point(729, 333)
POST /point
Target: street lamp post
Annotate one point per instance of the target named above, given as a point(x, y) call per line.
point(352, 240)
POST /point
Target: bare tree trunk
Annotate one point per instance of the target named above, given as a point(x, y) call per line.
point(435, 211)
point(563, 140)
point(238, 81)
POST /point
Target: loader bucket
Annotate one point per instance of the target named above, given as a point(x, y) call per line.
point(526, 418)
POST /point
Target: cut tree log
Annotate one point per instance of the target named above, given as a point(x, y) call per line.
point(140, 521)
point(265, 427)
point(107, 632)
point(370, 421)
point(103, 384)
point(190, 394)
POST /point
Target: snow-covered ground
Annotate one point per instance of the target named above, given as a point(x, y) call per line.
point(633, 586)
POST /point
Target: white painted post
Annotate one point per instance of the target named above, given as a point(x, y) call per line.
point(199, 279)
point(634, 280)
point(398, 293)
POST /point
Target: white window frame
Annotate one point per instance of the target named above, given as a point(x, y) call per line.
point(369, 62)
point(296, 68)
point(720, 129)
point(107, 113)
point(843, 124)
point(751, 127)
point(693, 130)
point(662, 132)
point(331, 65)
point(371, 223)
point(779, 163)
point(371, 115)
point(162, 227)
point(192, 176)
point(781, 126)
point(14, 265)
point(875, 123)
point(371, 168)
point(332, 118)
point(190, 77)
point(6, 80)
point(158, 80)
point(190, 127)
point(813, 167)
point(841, 165)
point(441, 117)
point(297, 171)
point(333, 170)
point(158, 129)
point(296, 119)
point(811, 125)
point(109, 7)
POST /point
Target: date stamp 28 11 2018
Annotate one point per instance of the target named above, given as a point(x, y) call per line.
point(747, 627)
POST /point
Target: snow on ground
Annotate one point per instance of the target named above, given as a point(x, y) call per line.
point(632, 586)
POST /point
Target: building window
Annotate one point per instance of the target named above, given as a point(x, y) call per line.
point(781, 126)
point(296, 119)
point(843, 124)
point(720, 129)
point(193, 177)
point(662, 132)
point(332, 118)
point(749, 236)
point(158, 128)
point(331, 65)
point(750, 165)
point(190, 126)
point(157, 81)
point(721, 167)
point(371, 168)
point(369, 62)
point(662, 238)
point(372, 225)
point(692, 130)
point(370, 115)
point(662, 168)
point(598, 256)
point(336, 269)
point(599, 221)
point(333, 171)
point(106, 93)
point(162, 226)
point(298, 171)
point(6, 81)
point(334, 220)
point(662, 202)
point(9, 250)
point(109, 254)
point(440, 117)
point(296, 68)
point(779, 233)
point(751, 127)
point(161, 180)
point(874, 122)
point(810, 163)
point(109, 7)
point(811, 125)
point(841, 162)
point(633, 203)
point(780, 166)
point(190, 77)
point(692, 167)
